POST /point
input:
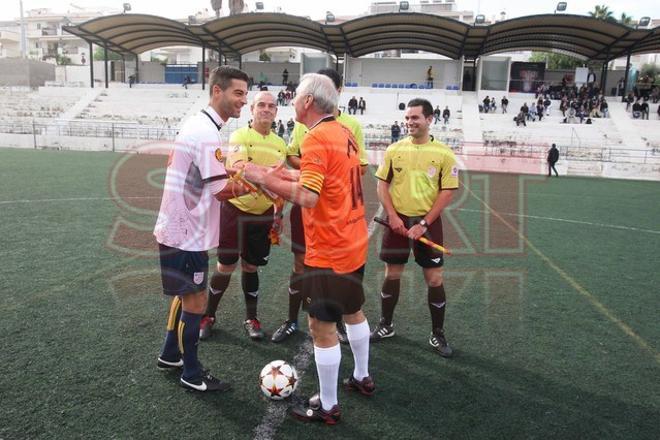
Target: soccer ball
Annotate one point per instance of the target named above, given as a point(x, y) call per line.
point(278, 380)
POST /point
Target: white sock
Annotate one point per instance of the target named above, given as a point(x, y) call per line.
point(358, 337)
point(327, 367)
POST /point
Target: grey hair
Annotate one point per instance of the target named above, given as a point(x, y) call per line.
point(322, 89)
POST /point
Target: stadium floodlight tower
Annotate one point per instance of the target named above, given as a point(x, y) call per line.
point(127, 7)
point(643, 22)
point(561, 7)
point(259, 6)
point(480, 19)
point(404, 6)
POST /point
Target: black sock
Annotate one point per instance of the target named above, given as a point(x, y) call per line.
point(437, 305)
point(217, 287)
point(188, 339)
point(295, 295)
point(389, 296)
point(250, 284)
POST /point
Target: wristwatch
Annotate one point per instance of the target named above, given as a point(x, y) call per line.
point(424, 223)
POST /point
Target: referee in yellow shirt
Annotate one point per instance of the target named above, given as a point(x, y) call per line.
point(246, 221)
point(290, 326)
point(417, 179)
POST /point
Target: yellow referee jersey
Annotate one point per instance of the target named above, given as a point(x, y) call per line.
point(348, 121)
point(247, 144)
point(416, 173)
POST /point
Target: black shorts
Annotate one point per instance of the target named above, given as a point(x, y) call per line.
point(297, 230)
point(395, 248)
point(329, 295)
point(244, 234)
point(183, 272)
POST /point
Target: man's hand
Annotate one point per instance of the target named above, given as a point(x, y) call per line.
point(416, 231)
point(396, 224)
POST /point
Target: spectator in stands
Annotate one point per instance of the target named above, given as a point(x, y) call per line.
point(280, 97)
point(644, 108)
point(540, 110)
point(486, 103)
point(553, 157)
point(505, 104)
point(437, 113)
point(445, 115)
point(404, 128)
point(655, 94)
point(289, 127)
point(273, 126)
point(570, 119)
point(396, 132)
point(619, 88)
point(581, 113)
point(131, 81)
point(520, 119)
point(285, 77)
point(493, 105)
point(525, 111)
point(352, 106)
point(362, 105)
point(186, 81)
point(659, 112)
point(546, 105)
point(637, 110)
point(531, 113)
point(429, 78)
point(629, 100)
point(280, 129)
point(604, 108)
point(591, 78)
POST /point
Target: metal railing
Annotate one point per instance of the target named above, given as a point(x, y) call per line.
point(127, 136)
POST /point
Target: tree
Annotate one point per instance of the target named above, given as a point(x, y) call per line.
point(62, 60)
point(556, 61)
point(626, 19)
point(99, 56)
point(263, 56)
point(602, 12)
point(651, 70)
point(216, 5)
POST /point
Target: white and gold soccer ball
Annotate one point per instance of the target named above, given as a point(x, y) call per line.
point(278, 380)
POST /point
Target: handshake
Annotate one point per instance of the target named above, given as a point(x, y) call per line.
point(261, 179)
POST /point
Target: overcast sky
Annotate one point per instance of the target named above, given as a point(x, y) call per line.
point(316, 9)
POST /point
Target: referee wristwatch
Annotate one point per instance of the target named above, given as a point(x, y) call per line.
point(424, 223)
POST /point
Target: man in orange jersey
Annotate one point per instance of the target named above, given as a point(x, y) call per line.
point(330, 192)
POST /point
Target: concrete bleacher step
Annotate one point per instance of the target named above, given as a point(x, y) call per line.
point(472, 131)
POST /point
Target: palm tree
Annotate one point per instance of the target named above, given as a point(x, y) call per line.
point(602, 12)
point(626, 19)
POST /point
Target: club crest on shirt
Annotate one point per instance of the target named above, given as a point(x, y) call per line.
point(454, 171)
point(198, 277)
point(432, 171)
point(219, 156)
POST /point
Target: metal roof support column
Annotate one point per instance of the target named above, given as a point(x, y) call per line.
point(203, 66)
point(105, 62)
point(240, 62)
point(137, 69)
point(604, 79)
point(123, 68)
point(625, 77)
point(91, 66)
